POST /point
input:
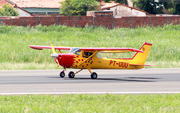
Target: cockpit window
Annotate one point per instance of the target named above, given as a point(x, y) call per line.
point(87, 54)
point(76, 51)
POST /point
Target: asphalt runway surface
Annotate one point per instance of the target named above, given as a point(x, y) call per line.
point(145, 81)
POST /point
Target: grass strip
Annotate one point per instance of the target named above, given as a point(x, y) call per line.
point(15, 41)
point(109, 103)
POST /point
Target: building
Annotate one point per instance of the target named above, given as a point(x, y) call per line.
point(121, 10)
point(35, 7)
point(20, 10)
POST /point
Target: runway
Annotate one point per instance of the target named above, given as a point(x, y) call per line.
point(145, 81)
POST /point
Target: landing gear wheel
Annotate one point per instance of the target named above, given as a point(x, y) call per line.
point(71, 74)
point(94, 75)
point(62, 74)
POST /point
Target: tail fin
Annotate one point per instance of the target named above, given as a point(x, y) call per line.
point(140, 58)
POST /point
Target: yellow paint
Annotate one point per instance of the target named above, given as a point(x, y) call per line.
point(93, 62)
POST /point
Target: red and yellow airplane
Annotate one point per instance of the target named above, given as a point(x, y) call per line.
point(89, 58)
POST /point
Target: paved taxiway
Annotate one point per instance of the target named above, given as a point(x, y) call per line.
point(108, 81)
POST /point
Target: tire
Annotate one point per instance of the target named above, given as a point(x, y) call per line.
point(71, 74)
point(62, 74)
point(94, 75)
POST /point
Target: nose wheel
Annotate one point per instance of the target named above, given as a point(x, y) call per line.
point(62, 74)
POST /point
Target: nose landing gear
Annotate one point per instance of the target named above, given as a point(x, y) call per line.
point(62, 74)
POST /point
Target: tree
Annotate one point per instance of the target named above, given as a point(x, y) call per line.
point(121, 1)
point(78, 7)
point(150, 6)
point(117, 1)
point(156, 7)
point(177, 8)
point(8, 10)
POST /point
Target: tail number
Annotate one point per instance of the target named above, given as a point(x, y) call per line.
point(120, 64)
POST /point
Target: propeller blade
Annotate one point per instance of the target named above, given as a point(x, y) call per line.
point(58, 64)
point(55, 56)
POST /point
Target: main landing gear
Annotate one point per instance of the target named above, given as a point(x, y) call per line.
point(72, 74)
point(94, 75)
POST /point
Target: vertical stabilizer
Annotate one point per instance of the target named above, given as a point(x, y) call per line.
point(140, 58)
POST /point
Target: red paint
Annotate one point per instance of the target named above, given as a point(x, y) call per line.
point(114, 63)
point(82, 59)
point(76, 61)
point(66, 60)
point(110, 62)
point(147, 43)
point(120, 64)
point(85, 61)
point(82, 65)
point(87, 64)
point(56, 61)
point(79, 59)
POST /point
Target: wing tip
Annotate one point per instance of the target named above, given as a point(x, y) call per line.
point(34, 47)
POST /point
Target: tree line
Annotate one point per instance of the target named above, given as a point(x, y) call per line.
point(80, 7)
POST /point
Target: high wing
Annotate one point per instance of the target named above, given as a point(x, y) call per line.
point(103, 50)
point(112, 50)
point(48, 47)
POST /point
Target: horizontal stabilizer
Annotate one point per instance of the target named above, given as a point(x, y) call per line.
point(140, 65)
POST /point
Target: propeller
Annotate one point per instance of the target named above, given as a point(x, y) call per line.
point(55, 55)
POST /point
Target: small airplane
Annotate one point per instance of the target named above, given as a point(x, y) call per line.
point(89, 58)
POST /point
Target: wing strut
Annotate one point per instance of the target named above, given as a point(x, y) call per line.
point(88, 58)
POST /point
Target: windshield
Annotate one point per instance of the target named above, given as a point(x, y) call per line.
point(76, 51)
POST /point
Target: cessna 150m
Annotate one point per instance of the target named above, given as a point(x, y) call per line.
point(89, 58)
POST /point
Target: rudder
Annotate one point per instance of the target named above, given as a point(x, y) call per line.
point(140, 58)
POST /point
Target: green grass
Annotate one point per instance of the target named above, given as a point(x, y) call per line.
point(109, 103)
point(15, 41)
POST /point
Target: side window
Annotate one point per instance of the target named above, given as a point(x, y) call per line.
point(87, 54)
point(99, 56)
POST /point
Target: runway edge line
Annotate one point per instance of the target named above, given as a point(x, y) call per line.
point(98, 93)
